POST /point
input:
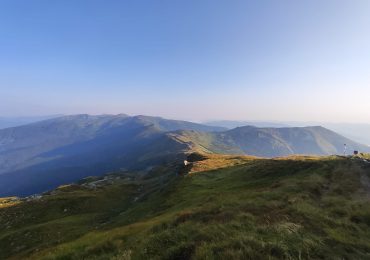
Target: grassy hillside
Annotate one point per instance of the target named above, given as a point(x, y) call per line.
point(225, 208)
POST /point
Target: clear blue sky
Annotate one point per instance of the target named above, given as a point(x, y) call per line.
point(199, 60)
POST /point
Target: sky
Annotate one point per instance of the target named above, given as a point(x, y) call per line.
point(187, 59)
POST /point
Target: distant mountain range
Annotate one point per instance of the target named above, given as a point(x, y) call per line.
point(40, 156)
point(272, 142)
point(230, 124)
point(357, 132)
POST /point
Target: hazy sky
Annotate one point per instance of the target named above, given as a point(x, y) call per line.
point(247, 60)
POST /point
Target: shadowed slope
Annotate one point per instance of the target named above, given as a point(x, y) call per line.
point(41, 156)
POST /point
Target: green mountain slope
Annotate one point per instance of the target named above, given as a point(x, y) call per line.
point(226, 207)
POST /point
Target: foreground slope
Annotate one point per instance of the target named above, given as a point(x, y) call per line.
point(221, 207)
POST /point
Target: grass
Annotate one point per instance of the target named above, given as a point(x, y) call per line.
point(8, 202)
point(228, 207)
point(366, 156)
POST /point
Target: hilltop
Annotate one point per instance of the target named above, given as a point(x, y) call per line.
point(219, 207)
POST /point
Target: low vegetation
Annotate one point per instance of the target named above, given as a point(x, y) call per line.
point(224, 207)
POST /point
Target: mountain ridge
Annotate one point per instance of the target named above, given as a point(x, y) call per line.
point(272, 142)
point(43, 155)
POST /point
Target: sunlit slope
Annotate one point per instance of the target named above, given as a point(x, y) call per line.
point(272, 142)
point(225, 207)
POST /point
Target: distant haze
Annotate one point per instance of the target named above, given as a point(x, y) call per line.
point(357, 132)
point(192, 60)
point(6, 122)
